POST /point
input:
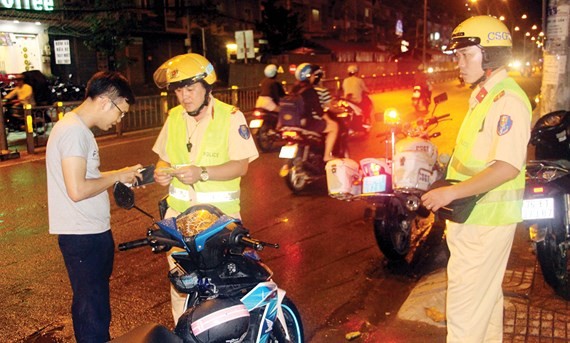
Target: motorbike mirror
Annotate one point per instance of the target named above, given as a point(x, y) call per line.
point(440, 98)
point(124, 196)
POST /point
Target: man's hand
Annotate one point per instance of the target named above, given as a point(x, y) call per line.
point(188, 175)
point(129, 174)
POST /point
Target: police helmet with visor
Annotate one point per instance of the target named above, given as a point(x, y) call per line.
point(489, 34)
point(186, 70)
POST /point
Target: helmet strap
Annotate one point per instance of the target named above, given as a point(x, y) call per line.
point(204, 104)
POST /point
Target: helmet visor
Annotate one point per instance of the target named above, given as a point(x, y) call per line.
point(462, 42)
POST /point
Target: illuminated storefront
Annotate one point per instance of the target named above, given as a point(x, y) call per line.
point(24, 40)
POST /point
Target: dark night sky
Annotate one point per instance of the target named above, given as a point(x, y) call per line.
point(508, 8)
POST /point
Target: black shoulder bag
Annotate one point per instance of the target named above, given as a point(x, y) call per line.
point(458, 210)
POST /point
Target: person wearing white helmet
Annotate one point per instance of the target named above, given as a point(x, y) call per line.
point(316, 119)
point(271, 90)
point(354, 89)
point(204, 147)
point(488, 160)
point(353, 86)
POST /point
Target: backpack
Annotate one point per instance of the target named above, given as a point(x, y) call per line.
point(291, 110)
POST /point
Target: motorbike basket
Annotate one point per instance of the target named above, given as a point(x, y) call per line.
point(182, 281)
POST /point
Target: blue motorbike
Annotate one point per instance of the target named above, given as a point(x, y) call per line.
point(231, 296)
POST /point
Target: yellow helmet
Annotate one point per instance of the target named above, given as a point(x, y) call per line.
point(191, 67)
point(485, 31)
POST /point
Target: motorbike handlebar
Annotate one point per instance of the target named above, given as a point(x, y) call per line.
point(254, 243)
point(133, 244)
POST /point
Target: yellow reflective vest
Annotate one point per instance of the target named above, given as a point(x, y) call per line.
point(502, 205)
point(213, 150)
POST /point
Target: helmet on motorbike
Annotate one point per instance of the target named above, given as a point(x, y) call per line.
point(489, 34)
point(217, 320)
point(184, 70)
point(270, 71)
point(352, 69)
point(303, 72)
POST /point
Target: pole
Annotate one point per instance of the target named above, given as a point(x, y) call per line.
point(203, 42)
point(424, 38)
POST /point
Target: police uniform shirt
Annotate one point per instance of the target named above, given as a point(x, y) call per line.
point(241, 145)
point(505, 132)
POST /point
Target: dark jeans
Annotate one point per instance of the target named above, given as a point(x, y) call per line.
point(89, 263)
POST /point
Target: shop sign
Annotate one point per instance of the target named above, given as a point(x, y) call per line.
point(62, 52)
point(33, 5)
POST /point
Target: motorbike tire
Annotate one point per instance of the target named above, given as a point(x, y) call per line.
point(293, 323)
point(554, 262)
point(296, 179)
point(264, 140)
point(401, 235)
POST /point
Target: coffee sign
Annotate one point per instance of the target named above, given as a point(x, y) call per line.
point(32, 5)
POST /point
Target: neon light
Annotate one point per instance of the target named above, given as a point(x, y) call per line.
point(33, 5)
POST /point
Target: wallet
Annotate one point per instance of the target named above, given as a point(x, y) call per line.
point(458, 210)
point(147, 175)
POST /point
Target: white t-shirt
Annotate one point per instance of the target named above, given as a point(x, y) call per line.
point(70, 137)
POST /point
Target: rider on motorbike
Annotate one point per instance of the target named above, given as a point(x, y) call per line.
point(271, 90)
point(22, 94)
point(316, 119)
point(355, 90)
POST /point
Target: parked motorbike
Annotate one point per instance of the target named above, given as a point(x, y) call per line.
point(546, 205)
point(231, 296)
point(394, 185)
point(421, 97)
point(304, 152)
point(263, 127)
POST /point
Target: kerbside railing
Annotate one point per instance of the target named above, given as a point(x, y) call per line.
point(151, 111)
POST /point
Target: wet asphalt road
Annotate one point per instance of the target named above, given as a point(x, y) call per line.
point(327, 262)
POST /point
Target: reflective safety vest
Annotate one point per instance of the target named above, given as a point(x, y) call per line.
point(213, 151)
point(502, 205)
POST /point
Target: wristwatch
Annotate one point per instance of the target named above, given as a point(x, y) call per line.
point(204, 176)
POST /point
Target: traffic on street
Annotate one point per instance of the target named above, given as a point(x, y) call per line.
point(327, 261)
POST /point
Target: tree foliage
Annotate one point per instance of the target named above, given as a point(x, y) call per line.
point(280, 27)
point(111, 31)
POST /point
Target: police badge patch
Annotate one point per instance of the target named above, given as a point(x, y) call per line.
point(504, 125)
point(244, 131)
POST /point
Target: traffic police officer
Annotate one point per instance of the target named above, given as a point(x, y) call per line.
point(489, 157)
point(204, 147)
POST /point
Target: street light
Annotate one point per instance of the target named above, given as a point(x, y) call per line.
point(524, 45)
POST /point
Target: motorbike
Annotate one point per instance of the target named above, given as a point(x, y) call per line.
point(421, 97)
point(231, 296)
point(546, 204)
point(356, 118)
point(393, 186)
point(15, 117)
point(263, 127)
point(304, 152)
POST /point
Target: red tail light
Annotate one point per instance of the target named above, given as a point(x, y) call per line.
point(257, 113)
point(538, 190)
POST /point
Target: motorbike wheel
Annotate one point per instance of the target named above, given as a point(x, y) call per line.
point(401, 234)
point(296, 179)
point(264, 140)
point(553, 261)
point(292, 322)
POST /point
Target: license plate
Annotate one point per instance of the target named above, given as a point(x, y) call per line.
point(538, 209)
point(255, 123)
point(374, 184)
point(288, 151)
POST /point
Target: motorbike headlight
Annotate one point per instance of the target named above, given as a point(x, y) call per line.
point(391, 116)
